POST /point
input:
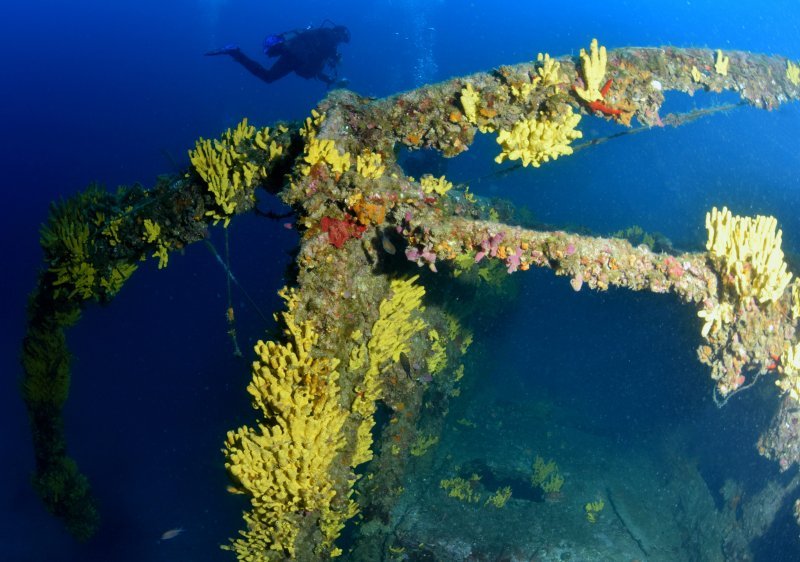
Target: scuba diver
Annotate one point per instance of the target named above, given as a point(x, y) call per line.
point(310, 53)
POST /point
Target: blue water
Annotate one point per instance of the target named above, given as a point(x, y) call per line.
point(116, 92)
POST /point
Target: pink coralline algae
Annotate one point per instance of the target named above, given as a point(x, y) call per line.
point(513, 261)
point(490, 246)
point(422, 257)
point(674, 268)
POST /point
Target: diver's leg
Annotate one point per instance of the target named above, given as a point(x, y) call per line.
point(283, 66)
point(325, 78)
point(277, 71)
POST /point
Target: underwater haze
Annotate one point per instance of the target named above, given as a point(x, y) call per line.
point(603, 382)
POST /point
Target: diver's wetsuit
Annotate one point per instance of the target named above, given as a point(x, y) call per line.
point(305, 53)
point(281, 68)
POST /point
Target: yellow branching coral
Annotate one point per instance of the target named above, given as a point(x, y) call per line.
point(453, 326)
point(462, 489)
point(214, 163)
point(214, 166)
point(284, 463)
point(120, 272)
point(437, 360)
point(265, 142)
point(152, 235)
point(793, 73)
point(73, 236)
point(111, 231)
point(536, 140)
point(162, 253)
point(790, 370)
point(796, 299)
point(721, 63)
point(152, 231)
point(68, 248)
point(324, 150)
point(499, 498)
point(593, 509)
point(358, 355)
point(321, 150)
point(465, 343)
point(546, 476)
point(715, 317)
point(225, 166)
point(549, 73)
point(390, 335)
point(312, 124)
point(68, 242)
point(370, 165)
point(422, 444)
point(696, 75)
point(747, 252)
point(522, 90)
point(469, 102)
point(593, 65)
point(394, 327)
point(78, 280)
point(430, 184)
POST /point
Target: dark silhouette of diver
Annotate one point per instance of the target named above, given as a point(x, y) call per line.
point(310, 53)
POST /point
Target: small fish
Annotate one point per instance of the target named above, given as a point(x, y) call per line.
point(171, 534)
point(406, 364)
point(386, 244)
